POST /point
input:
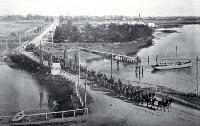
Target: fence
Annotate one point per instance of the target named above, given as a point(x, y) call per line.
point(46, 116)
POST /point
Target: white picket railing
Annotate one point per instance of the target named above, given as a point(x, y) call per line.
point(74, 113)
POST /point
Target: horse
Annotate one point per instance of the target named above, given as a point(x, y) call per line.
point(153, 102)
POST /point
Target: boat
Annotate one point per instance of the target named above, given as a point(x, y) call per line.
point(176, 65)
point(19, 116)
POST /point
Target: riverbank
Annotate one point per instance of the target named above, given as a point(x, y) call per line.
point(124, 48)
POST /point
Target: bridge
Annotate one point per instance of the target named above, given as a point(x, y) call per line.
point(114, 56)
point(38, 39)
point(20, 50)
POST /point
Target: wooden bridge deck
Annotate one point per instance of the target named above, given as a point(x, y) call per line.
point(114, 56)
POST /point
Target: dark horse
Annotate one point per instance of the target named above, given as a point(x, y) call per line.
point(165, 103)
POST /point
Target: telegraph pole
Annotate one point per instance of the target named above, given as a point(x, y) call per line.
point(52, 37)
point(6, 45)
point(197, 74)
point(111, 65)
point(42, 51)
point(20, 39)
point(85, 87)
point(65, 56)
point(40, 54)
point(78, 66)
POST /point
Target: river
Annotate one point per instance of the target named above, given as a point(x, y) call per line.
point(186, 39)
point(19, 91)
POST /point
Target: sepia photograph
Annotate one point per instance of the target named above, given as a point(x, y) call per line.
point(99, 62)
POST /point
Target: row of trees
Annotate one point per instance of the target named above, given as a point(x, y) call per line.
point(101, 33)
point(28, 17)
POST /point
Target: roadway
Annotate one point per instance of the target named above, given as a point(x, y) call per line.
point(39, 38)
point(36, 41)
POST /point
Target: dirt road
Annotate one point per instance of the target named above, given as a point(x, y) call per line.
point(107, 110)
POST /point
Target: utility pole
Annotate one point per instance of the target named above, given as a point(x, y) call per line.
point(197, 74)
point(78, 66)
point(85, 87)
point(6, 45)
point(41, 54)
point(76, 55)
point(65, 55)
point(52, 37)
point(176, 50)
point(111, 65)
point(42, 51)
point(49, 59)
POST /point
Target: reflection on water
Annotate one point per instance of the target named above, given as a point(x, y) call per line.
point(187, 71)
point(20, 91)
point(186, 39)
point(94, 59)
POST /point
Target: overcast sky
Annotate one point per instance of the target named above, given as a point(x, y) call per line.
point(102, 7)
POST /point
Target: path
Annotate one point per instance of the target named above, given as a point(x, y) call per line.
point(109, 111)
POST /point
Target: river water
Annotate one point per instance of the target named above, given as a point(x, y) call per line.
point(19, 91)
point(186, 39)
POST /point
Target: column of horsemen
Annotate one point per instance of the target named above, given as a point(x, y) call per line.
point(132, 93)
point(135, 94)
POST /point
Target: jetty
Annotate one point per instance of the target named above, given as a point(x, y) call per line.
point(114, 56)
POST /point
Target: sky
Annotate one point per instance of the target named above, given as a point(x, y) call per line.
point(102, 7)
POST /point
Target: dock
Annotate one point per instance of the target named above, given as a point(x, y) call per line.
point(114, 56)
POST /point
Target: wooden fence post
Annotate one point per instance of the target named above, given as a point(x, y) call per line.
point(74, 113)
point(62, 114)
point(46, 116)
